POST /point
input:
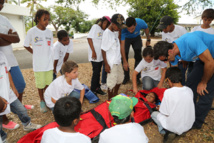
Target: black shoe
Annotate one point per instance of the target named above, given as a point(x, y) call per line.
point(125, 81)
point(195, 127)
point(99, 91)
point(138, 82)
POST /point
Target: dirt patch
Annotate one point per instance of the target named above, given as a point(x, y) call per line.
point(206, 134)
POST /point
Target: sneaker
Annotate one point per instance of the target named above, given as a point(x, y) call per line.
point(11, 125)
point(31, 127)
point(29, 107)
point(43, 107)
point(104, 86)
point(99, 91)
point(126, 81)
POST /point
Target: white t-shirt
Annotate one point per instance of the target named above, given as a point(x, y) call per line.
point(60, 88)
point(175, 34)
point(208, 30)
point(41, 42)
point(56, 136)
point(4, 81)
point(125, 133)
point(59, 53)
point(5, 25)
point(152, 69)
point(111, 45)
point(177, 110)
point(95, 34)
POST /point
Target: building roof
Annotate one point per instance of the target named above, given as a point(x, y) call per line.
point(15, 10)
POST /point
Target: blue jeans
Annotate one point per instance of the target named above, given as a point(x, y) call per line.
point(149, 83)
point(154, 117)
point(2, 133)
point(75, 94)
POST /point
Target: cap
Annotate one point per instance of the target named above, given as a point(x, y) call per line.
point(119, 20)
point(164, 22)
point(122, 106)
point(108, 18)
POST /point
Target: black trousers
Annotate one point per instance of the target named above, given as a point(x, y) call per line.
point(203, 105)
point(95, 80)
point(136, 44)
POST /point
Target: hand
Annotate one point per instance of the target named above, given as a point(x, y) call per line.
point(107, 68)
point(126, 66)
point(147, 43)
point(158, 107)
point(3, 104)
point(185, 63)
point(10, 31)
point(54, 71)
point(16, 92)
point(94, 55)
point(201, 88)
point(135, 90)
point(159, 85)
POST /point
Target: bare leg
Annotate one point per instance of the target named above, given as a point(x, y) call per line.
point(45, 88)
point(41, 94)
point(20, 97)
point(5, 120)
point(116, 88)
point(110, 93)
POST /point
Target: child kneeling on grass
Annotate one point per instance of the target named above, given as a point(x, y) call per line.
point(177, 111)
point(65, 85)
point(121, 108)
point(66, 113)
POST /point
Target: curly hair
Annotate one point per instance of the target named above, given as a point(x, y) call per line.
point(161, 49)
point(39, 14)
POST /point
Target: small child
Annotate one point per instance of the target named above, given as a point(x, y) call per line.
point(62, 48)
point(177, 110)
point(152, 97)
point(94, 52)
point(207, 17)
point(65, 85)
point(111, 52)
point(67, 115)
point(121, 108)
point(150, 71)
point(41, 40)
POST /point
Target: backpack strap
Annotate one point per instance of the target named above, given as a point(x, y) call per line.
point(147, 105)
point(99, 119)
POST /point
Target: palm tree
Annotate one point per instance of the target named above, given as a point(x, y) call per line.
point(12, 1)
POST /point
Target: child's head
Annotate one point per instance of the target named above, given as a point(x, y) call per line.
point(173, 75)
point(118, 22)
point(1, 4)
point(42, 17)
point(207, 16)
point(121, 108)
point(67, 111)
point(152, 97)
point(63, 37)
point(104, 22)
point(131, 24)
point(148, 54)
point(70, 69)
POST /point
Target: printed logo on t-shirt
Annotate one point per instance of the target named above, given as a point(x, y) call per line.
point(195, 58)
point(6, 70)
point(37, 39)
point(100, 34)
point(49, 43)
point(156, 68)
point(47, 38)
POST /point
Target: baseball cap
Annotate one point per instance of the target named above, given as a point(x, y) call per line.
point(119, 20)
point(164, 22)
point(122, 106)
point(108, 18)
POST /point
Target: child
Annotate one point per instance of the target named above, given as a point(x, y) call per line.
point(207, 17)
point(67, 115)
point(64, 85)
point(152, 97)
point(41, 40)
point(62, 48)
point(150, 71)
point(177, 110)
point(112, 54)
point(94, 52)
point(8, 94)
point(121, 108)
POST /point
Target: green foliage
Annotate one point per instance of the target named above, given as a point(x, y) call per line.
point(151, 11)
point(28, 23)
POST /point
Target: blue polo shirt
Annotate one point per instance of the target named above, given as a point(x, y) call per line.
point(191, 45)
point(141, 24)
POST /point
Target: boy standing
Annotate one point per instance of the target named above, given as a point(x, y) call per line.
point(207, 17)
point(111, 52)
point(121, 108)
point(177, 111)
point(62, 48)
point(66, 114)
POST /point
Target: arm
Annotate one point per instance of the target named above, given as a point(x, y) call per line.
point(107, 67)
point(10, 37)
point(4, 42)
point(55, 64)
point(134, 81)
point(82, 93)
point(148, 36)
point(12, 85)
point(208, 61)
point(29, 49)
point(90, 42)
point(160, 84)
point(122, 49)
point(53, 100)
point(66, 57)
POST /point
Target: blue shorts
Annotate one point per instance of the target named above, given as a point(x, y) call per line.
point(18, 79)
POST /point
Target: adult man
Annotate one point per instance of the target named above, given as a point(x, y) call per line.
point(131, 36)
point(171, 32)
point(196, 46)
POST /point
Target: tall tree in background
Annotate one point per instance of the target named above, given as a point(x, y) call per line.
point(151, 11)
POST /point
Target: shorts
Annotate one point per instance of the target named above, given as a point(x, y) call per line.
point(115, 77)
point(18, 79)
point(43, 78)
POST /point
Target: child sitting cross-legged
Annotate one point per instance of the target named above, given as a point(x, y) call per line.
point(177, 111)
point(65, 85)
point(66, 114)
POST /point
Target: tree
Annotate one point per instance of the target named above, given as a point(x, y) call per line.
point(151, 11)
point(11, 1)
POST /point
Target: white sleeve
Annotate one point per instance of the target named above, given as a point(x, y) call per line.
point(162, 64)
point(101, 140)
point(106, 41)
point(10, 26)
point(92, 32)
point(164, 109)
point(78, 85)
point(183, 31)
point(70, 47)
point(56, 51)
point(163, 36)
point(28, 39)
point(43, 140)
point(194, 29)
point(139, 67)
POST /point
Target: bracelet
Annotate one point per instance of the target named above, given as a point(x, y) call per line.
point(149, 40)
